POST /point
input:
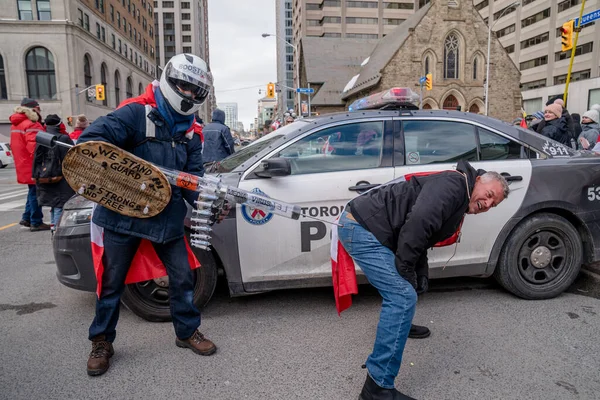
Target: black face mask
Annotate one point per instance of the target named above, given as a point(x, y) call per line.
point(186, 105)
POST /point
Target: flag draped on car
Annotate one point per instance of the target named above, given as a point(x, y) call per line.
point(343, 269)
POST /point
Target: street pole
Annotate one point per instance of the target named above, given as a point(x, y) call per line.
point(421, 100)
point(298, 80)
point(577, 29)
point(487, 72)
point(77, 98)
point(308, 95)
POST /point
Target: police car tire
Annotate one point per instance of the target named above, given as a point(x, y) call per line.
point(2, 165)
point(507, 273)
point(206, 282)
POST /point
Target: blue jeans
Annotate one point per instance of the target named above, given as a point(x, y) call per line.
point(33, 212)
point(399, 299)
point(55, 213)
point(119, 251)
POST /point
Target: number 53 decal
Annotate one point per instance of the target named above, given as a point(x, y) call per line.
point(593, 193)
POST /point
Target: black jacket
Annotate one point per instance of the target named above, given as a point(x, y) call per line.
point(558, 130)
point(48, 163)
point(409, 217)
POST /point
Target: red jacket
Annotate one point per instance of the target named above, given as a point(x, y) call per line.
point(24, 128)
point(75, 134)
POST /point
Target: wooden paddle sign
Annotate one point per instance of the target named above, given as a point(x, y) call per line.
point(116, 179)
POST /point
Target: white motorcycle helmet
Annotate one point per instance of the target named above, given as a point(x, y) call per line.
point(185, 83)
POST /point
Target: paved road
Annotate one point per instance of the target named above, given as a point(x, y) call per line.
point(486, 344)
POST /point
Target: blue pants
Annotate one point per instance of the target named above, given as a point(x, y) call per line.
point(33, 212)
point(55, 213)
point(399, 299)
point(119, 251)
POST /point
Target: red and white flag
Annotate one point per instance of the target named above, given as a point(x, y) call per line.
point(145, 265)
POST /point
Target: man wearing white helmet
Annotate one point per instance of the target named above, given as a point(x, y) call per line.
point(157, 126)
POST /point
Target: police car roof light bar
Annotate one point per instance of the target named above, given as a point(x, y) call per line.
point(398, 96)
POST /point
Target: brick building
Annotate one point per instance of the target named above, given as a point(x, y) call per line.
point(447, 38)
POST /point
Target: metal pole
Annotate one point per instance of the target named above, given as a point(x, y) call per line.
point(308, 94)
point(298, 81)
point(77, 98)
point(487, 73)
point(577, 29)
point(421, 100)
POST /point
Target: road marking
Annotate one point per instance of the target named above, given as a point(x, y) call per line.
point(12, 205)
point(13, 194)
point(8, 226)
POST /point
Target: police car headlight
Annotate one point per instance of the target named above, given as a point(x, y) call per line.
point(76, 217)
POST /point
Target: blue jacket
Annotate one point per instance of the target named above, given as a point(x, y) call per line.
point(218, 142)
point(126, 128)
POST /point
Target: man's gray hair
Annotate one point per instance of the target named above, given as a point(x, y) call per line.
point(493, 175)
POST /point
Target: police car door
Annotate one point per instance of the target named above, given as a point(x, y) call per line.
point(327, 165)
point(435, 145)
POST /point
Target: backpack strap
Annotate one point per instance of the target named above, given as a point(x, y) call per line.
point(150, 127)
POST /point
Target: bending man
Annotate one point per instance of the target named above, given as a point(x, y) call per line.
point(387, 232)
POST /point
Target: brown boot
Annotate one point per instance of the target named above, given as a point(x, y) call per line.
point(102, 351)
point(198, 343)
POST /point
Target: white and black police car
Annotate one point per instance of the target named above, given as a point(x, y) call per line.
point(533, 243)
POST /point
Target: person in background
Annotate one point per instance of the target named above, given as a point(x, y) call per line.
point(555, 126)
point(52, 189)
point(218, 142)
point(576, 123)
point(538, 117)
point(80, 124)
point(25, 124)
point(567, 117)
point(589, 130)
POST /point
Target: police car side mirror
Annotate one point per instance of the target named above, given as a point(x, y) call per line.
point(275, 167)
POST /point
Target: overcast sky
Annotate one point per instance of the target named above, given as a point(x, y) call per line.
point(239, 56)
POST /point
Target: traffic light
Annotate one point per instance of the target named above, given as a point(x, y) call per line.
point(429, 81)
point(270, 90)
point(566, 35)
point(100, 93)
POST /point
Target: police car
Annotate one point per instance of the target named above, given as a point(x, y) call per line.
point(533, 243)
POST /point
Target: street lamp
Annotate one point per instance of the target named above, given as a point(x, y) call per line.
point(297, 66)
point(487, 73)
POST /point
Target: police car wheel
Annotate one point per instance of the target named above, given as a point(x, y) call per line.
point(2, 165)
point(150, 299)
point(541, 258)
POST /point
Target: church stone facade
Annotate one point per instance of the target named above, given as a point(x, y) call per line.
point(447, 38)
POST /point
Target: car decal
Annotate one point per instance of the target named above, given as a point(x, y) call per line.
point(255, 216)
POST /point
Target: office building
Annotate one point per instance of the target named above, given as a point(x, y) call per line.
point(231, 114)
point(285, 56)
point(53, 50)
point(530, 35)
point(182, 27)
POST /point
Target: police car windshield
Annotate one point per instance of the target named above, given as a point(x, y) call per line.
point(239, 157)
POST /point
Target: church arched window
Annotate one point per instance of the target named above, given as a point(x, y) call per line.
point(426, 65)
point(475, 69)
point(451, 58)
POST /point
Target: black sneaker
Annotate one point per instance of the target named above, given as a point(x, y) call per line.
point(40, 227)
point(24, 223)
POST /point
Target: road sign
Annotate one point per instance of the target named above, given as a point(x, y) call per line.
point(587, 18)
point(91, 92)
point(305, 90)
point(423, 80)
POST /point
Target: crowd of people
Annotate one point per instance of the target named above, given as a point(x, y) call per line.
point(578, 131)
point(39, 167)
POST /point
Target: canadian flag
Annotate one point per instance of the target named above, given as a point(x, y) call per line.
point(145, 265)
